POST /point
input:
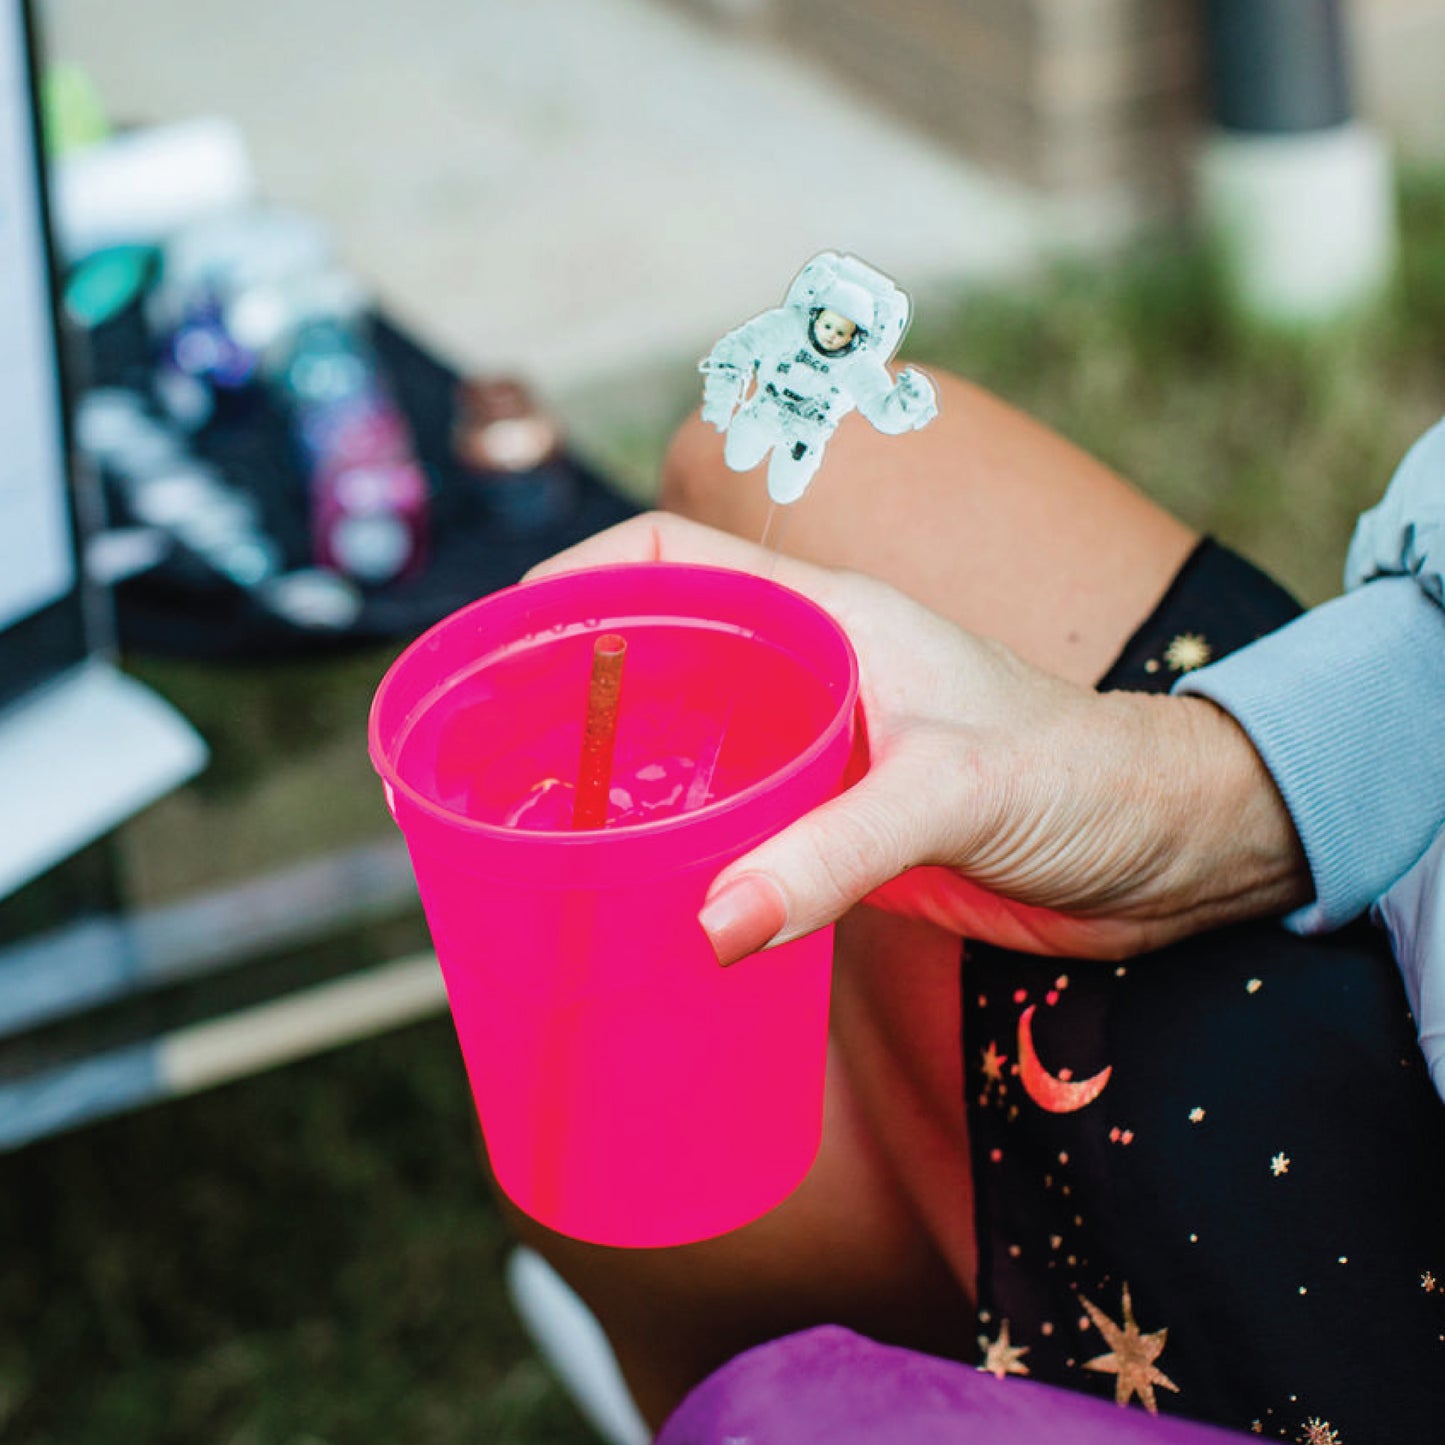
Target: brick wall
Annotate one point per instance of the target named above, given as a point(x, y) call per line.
point(1082, 98)
point(1066, 95)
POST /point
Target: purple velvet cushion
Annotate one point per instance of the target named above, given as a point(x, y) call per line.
point(830, 1385)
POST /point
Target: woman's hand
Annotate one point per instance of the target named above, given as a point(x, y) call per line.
point(1000, 802)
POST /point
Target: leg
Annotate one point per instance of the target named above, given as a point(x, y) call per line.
point(984, 516)
point(791, 469)
point(1148, 1188)
point(991, 520)
point(747, 440)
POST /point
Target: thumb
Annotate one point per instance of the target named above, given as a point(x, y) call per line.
point(816, 869)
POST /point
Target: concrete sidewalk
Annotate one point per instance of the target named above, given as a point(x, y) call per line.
point(579, 189)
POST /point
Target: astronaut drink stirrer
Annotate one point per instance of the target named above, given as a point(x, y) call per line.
point(782, 382)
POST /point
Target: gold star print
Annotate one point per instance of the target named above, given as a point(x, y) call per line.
point(1429, 1283)
point(1000, 1357)
point(1320, 1432)
point(993, 1063)
point(1279, 1164)
point(1186, 652)
point(1131, 1356)
point(1196, 1115)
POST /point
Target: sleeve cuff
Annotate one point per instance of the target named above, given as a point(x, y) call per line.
point(1346, 706)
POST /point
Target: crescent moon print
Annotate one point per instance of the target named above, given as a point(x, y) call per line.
point(1048, 1091)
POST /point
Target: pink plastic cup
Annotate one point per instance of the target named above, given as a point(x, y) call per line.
point(631, 1091)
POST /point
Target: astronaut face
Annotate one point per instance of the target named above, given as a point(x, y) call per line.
point(831, 332)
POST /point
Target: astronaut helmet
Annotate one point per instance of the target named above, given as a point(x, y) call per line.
point(846, 301)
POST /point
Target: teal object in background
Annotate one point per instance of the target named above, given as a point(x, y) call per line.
point(103, 285)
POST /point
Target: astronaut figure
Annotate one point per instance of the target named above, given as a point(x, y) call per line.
point(784, 380)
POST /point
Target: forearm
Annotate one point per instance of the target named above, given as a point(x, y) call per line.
point(1218, 843)
point(1131, 807)
point(1103, 824)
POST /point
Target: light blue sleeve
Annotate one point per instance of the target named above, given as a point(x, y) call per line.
point(1346, 705)
point(1404, 536)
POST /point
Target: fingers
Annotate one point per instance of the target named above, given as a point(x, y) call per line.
point(665, 537)
point(654, 537)
point(813, 872)
point(818, 868)
point(742, 914)
point(636, 540)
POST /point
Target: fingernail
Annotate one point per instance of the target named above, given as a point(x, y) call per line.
point(742, 916)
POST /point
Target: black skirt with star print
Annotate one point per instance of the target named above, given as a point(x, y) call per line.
point(1211, 1181)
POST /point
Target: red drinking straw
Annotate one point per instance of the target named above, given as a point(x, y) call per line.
point(594, 775)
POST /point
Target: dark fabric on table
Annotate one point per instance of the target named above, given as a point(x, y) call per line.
point(186, 610)
point(1251, 1208)
point(831, 1387)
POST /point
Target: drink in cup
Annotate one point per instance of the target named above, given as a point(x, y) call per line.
point(630, 1091)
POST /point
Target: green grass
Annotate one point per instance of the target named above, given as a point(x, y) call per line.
point(309, 1256)
point(312, 1256)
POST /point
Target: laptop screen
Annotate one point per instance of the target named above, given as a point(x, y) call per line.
point(41, 613)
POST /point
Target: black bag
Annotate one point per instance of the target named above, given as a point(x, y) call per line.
point(182, 608)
